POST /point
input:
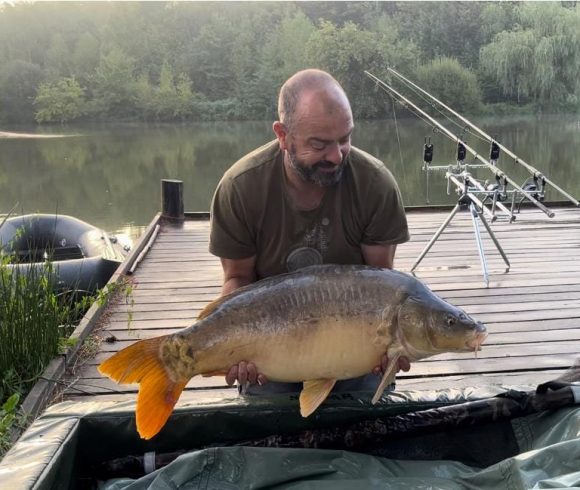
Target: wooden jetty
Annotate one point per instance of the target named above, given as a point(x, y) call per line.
point(532, 312)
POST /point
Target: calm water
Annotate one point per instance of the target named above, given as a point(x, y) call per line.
point(109, 175)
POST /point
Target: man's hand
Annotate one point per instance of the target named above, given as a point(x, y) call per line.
point(245, 372)
point(403, 364)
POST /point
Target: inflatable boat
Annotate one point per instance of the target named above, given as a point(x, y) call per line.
point(83, 256)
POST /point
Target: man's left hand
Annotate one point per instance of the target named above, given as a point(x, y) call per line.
point(403, 364)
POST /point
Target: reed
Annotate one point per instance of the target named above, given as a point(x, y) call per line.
point(34, 322)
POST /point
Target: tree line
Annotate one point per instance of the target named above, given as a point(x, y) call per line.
point(158, 61)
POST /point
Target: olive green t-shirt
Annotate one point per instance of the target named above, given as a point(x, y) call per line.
point(251, 214)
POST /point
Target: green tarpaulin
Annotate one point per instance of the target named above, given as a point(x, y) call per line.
point(66, 447)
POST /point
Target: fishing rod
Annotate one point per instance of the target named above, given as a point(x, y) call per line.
point(498, 173)
point(534, 171)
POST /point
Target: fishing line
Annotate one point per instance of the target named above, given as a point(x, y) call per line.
point(397, 133)
point(405, 106)
point(418, 115)
point(435, 106)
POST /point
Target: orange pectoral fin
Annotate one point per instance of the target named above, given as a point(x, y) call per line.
point(313, 394)
point(158, 394)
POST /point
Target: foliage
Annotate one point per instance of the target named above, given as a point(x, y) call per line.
point(449, 81)
point(60, 101)
point(33, 319)
point(10, 421)
point(444, 29)
point(18, 83)
point(539, 59)
point(214, 61)
point(114, 85)
point(348, 51)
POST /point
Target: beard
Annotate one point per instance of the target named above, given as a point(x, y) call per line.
point(316, 173)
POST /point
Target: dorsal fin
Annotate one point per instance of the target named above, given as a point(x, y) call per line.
point(211, 307)
point(216, 303)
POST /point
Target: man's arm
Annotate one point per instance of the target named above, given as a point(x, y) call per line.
point(238, 273)
point(379, 255)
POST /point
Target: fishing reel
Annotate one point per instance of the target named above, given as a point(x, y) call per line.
point(498, 190)
point(534, 186)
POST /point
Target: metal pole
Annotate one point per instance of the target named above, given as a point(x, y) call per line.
point(479, 243)
point(493, 168)
point(496, 242)
point(531, 169)
point(436, 236)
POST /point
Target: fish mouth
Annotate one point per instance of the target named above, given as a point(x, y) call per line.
point(474, 344)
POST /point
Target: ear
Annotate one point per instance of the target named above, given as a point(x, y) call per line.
point(281, 134)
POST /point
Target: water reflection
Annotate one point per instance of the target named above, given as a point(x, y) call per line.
point(109, 175)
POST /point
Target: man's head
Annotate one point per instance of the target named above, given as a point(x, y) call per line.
point(314, 127)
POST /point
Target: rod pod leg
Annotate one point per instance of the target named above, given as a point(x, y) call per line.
point(436, 236)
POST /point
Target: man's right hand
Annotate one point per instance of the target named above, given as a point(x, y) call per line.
point(245, 372)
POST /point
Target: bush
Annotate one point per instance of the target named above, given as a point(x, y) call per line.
point(451, 83)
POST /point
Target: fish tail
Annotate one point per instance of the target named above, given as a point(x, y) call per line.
point(158, 393)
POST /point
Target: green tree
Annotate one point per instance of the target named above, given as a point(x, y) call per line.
point(173, 99)
point(348, 51)
point(144, 97)
point(283, 54)
point(85, 58)
point(61, 101)
point(452, 29)
point(114, 85)
point(538, 59)
point(18, 83)
point(58, 57)
point(212, 59)
point(453, 84)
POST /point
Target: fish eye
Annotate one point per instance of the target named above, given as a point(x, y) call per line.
point(451, 320)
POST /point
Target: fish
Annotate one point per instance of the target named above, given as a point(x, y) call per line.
point(315, 325)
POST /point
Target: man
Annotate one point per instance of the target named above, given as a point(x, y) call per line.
point(307, 197)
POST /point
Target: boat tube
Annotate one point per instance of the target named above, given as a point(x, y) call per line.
point(84, 257)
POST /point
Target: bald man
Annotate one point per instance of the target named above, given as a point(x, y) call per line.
point(308, 197)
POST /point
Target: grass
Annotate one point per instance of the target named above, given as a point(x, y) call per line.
point(34, 320)
point(35, 324)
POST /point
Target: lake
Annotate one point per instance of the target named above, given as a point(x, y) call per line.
point(109, 175)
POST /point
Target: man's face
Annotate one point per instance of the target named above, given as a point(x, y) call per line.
point(322, 172)
point(319, 142)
